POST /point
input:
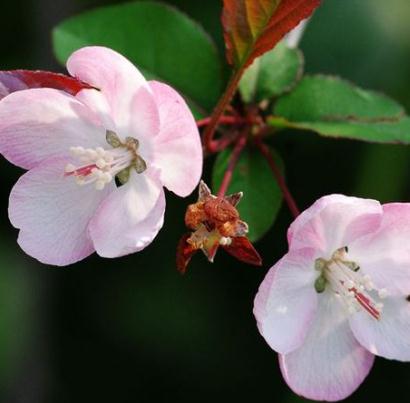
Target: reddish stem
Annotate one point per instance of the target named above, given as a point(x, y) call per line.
point(220, 108)
point(223, 120)
point(225, 141)
point(264, 149)
point(236, 153)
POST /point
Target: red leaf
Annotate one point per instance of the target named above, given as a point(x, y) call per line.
point(252, 27)
point(185, 251)
point(242, 249)
point(17, 80)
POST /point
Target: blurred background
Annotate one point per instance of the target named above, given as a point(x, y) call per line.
point(134, 330)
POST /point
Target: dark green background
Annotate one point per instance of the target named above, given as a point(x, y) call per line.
point(132, 329)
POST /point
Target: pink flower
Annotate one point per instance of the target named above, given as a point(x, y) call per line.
point(128, 130)
point(339, 296)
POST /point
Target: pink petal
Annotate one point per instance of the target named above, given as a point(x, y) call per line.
point(52, 213)
point(42, 123)
point(333, 222)
point(331, 364)
point(389, 336)
point(98, 103)
point(287, 301)
point(145, 123)
point(113, 74)
point(178, 150)
point(385, 255)
point(130, 218)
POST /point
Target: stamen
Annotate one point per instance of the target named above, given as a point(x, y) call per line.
point(357, 291)
point(100, 166)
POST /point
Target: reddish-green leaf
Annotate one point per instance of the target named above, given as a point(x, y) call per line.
point(252, 27)
point(17, 80)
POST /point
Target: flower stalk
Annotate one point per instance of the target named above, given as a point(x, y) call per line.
point(236, 153)
point(287, 195)
point(210, 144)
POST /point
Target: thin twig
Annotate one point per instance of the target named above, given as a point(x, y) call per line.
point(236, 153)
point(220, 108)
point(290, 201)
point(223, 120)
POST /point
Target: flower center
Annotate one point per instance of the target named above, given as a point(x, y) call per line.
point(203, 237)
point(101, 166)
point(354, 289)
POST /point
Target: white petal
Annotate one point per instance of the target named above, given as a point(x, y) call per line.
point(333, 222)
point(97, 102)
point(385, 254)
point(52, 213)
point(389, 336)
point(178, 149)
point(42, 123)
point(115, 76)
point(145, 123)
point(287, 301)
point(331, 364)
point(130, 218)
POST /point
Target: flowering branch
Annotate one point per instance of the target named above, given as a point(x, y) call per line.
point(264, 150)
point(236, 153)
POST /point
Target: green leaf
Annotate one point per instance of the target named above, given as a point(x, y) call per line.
point(272, 74)
point(327, 98)
point(161, 41)
point(389, 133)
point(262, 197)
point(333, 107)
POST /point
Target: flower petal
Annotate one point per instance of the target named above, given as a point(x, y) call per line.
point(331, 364)
point(389, 336)
point(145, 123)
point(42, 123)
point(287, 301)
point(178, 150)
point(385, 255)
point(334, 221)
point(52, 213)
point(130, 218)
point(97, 102)
point(114, 75)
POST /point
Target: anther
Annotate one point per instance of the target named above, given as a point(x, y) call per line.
point(112, 139)
point(320, 284)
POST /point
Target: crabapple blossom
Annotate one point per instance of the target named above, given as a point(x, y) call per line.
point(97, 161)
point(339, 296)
